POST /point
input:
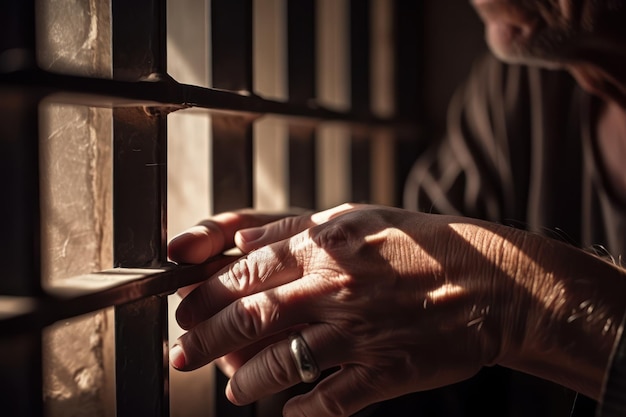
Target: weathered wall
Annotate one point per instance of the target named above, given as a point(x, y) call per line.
point(74, 38)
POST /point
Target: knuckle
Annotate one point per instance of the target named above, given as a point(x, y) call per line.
point(247, 319)
point(240, 276)
point(197, 344)
point(331, 235)
point(292, 224)
point(279, 372)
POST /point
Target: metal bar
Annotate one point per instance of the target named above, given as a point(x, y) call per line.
point(139, 39)
point(231, 45)
point(231, 162)
point(408, 16)
point(168, 96)
point(19, 155)
point(232, 170)
point(361, 167)
point(302, 163)
point(142, 358)
point(88, 293)
point(360, 91)
point(21, 375)
point(140, 177)
point(360, 45)
point(231, 165)
point(140, 241)
point(301, 59)
point(302, 88)
point(19, 164)
point(139, 209)
point(17, 35)
point(408, 49)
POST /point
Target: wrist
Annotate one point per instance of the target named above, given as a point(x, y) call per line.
point(565, 307)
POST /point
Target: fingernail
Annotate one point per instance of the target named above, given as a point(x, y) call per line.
point(177, 357)
point(252, 234)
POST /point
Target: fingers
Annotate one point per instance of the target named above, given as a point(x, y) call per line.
point(231, 362)
point(214, 236)
point(250, 274)
point(343, 393)
point(340, 395)
point(253, 238)
point(273, 369)
point(246, 321)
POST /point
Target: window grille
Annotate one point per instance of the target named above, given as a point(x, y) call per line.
point(305, 103)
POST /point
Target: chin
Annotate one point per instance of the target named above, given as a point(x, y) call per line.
point(514, 46)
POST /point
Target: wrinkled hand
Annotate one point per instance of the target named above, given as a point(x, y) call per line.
point(396, 301)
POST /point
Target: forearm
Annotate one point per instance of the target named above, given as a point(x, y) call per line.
point(575, 305)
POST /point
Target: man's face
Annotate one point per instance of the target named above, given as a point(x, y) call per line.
point(545, 32)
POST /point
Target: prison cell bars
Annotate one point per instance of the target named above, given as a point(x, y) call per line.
point(142, 94)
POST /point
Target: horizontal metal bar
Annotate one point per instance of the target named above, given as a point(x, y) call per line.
point(166, 95)
point(91, 292)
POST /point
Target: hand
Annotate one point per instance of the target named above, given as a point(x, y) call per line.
point(395, 302)
point(369, 286)
point(215, 236)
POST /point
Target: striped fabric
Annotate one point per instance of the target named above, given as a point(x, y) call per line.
point(520, 151)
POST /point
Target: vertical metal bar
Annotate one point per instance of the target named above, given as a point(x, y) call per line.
point(139, 241)
point(361, 167)
point(21, 375)
point(139, 209)
point(231, 162)
point(302, 167)
point(231, 167)
point(19, 163)
point(139, 38)
point(301, 60)
point(19, 157)
point(142, 386)
point(408, 69)
point(408, 15)
point(360, 56)
point(17, 35)
point(139, 175)
point(302, 86)
point(231, 43)
point(360, 91)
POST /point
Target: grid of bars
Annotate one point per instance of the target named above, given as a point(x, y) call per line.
point(141, 94)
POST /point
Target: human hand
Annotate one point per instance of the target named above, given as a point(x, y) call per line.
point(215, 235)
point(397, 302)
point(374, 291)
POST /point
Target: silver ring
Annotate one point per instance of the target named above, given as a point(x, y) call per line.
point(303, 358)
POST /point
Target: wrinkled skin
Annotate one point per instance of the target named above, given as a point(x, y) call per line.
point(394, 301)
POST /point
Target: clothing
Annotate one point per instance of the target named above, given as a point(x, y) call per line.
point(520, 150)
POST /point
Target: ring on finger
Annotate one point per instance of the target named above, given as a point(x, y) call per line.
point(303, 358)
